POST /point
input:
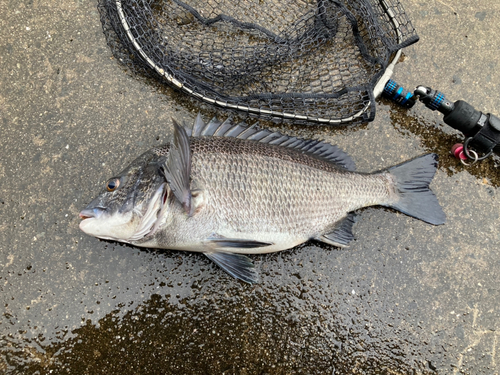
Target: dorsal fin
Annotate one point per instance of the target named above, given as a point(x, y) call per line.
point(318, 149)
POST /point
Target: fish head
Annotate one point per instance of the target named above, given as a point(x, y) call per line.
point(129, 204)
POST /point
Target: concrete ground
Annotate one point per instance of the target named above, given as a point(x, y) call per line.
point(404, 298)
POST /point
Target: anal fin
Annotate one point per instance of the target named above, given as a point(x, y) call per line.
point(342, 234)
point(237, 265)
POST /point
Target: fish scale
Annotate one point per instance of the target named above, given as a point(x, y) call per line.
point(282, 193)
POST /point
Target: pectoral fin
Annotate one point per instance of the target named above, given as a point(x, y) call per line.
point(237, 265)
point(177, 168)
point(342, 234)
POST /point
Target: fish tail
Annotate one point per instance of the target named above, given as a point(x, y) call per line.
point(416, 199)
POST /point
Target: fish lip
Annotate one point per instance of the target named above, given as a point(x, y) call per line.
point(86, 214)
point(91, 213)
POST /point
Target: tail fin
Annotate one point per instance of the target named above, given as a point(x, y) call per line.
point(412, 180)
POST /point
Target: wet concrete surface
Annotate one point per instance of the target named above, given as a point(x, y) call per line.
point(404, 298)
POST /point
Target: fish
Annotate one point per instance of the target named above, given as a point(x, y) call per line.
point(229, 190)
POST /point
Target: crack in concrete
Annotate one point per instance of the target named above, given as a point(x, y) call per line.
point(478, 336)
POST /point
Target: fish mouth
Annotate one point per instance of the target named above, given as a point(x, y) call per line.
point(91, 213)
point(84, 215)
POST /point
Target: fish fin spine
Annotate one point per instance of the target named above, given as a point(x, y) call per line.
point(318, 149)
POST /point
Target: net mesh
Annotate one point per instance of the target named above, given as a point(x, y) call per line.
point(306, 60)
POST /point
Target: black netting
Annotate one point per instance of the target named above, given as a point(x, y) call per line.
point(308, 60)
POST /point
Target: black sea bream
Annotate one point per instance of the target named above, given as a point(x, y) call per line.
point(227, 190)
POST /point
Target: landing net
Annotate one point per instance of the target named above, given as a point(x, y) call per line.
point(310, 61)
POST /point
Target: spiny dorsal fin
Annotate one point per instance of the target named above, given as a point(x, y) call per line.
point(319, 149)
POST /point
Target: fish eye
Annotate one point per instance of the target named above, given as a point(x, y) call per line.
point(113, 184)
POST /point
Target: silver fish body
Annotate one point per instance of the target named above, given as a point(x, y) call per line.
point(230, 190)
point(267, 193)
